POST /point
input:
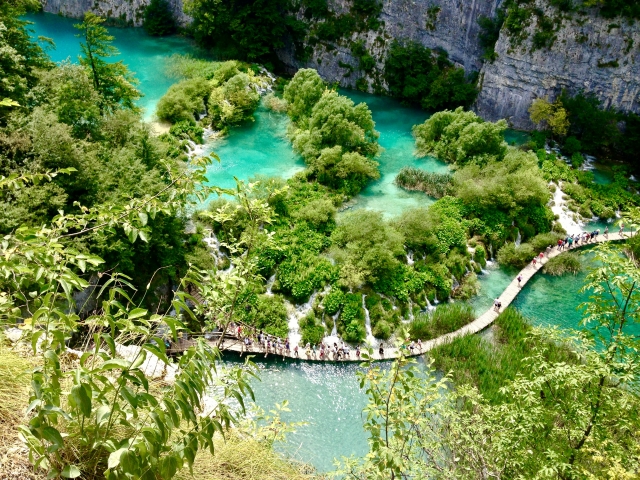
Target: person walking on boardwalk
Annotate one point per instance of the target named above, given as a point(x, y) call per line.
point(381, 350)
point(519, 278)
point(621, 232)
point(535, 261)
point(606, 232)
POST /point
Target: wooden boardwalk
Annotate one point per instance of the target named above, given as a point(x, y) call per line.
point(479, 324)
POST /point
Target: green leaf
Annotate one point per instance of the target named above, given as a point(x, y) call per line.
point(115, 363)
point(144, 218)
point(70, 471)
point(81, 396)
point(53, 436)
point(137, 313)
point(114, 458)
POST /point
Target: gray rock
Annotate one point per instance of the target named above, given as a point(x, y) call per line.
point(575, 62)
point(131, 11)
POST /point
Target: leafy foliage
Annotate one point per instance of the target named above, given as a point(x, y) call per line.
point(417, 75)
point(460, 137)
point(112, 80)
point(158, 18)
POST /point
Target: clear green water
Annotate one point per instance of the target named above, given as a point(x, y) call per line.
point(394, 122)
point(327, 396)
point(256, 148)
point(144, 55)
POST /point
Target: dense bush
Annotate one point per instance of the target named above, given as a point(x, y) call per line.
point(233, 101)
point(267, 313)
point(365, 247)
point(421, 76)
point(519, 256)
point(461, 137)
point(351, 321)
point(446, 318)
point(312, 330)
point(568, 262)
point(158, 18)
point(184, 101)
point(335, 137)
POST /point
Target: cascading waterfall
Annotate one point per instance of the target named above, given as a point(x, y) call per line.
point(367, 322)
point(270, 283)
point(334, 330)
point(294, 315)
point(411, 316)
point(410, 258)
point(518, 239)
point(454, 282)
point(429, 306)
point(491, 252)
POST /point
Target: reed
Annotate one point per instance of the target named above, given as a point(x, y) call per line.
point(566, 263)
point(446, 318)
point(435, 185)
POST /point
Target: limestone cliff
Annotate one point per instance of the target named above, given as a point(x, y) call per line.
point(590, 53)
point(451, 25)
point(130, 12)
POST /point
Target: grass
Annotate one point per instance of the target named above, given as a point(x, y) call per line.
point(436, 185)
point(14, 397)
point(244, 458)
point(473, 360)
point(566, 263)
point(446, 318)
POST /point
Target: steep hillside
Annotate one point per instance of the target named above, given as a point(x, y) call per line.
point(582, 52)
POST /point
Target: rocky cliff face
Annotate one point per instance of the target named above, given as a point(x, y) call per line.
point(451, 25)
point(130, 12)
point(590, 53)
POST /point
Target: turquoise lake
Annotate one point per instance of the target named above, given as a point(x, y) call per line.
point(326, 396)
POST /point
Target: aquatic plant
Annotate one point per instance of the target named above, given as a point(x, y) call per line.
point(436, 185)
point(446, 318)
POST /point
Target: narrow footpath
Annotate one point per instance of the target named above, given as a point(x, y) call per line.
point(479, 324)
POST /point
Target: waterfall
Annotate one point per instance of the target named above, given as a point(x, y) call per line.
point(491, 252)
point(334, 330)
point(270, 283)
point(294, 315)
point(518, 239)
point(410, 258)
point(430, 307)
point(367, 322)
point(435, 300)
point(411, 317)
point(454, 282)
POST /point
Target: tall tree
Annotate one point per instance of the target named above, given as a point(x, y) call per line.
point(113, 81)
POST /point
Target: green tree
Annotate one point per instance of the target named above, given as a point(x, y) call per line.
point(112, 80)
point(302, 93)
point(20, 56)
point(461, 137)
point(553, 115)
point(248, 30)
point(158, 18)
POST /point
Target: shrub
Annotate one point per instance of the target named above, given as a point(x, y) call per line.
point(183, 101)
point(520, 256)
point(420, 76)
point(480, 256)
point(568, 262)
point(333, 301)
point(469, 287)
point(186, 130)
point(276, 104)
point(541, 241)
point(382, 329)
point(311, 329)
